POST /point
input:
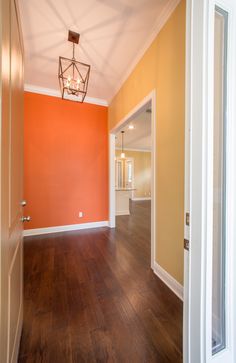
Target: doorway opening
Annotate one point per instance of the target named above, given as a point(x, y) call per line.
point(132, 181)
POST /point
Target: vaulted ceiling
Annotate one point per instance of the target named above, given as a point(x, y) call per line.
point(114, 35)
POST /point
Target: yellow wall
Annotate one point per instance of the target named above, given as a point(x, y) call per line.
point(163, 68)
point(142, 172)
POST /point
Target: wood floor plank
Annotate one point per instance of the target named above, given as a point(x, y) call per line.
point(90, 296)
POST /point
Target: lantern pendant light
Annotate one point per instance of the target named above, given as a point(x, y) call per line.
point(122, 155)
point(73, 75)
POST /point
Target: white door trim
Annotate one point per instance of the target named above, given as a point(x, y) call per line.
point(188, 110)
point(150, 97)
point(112, 181)
point(199, 115)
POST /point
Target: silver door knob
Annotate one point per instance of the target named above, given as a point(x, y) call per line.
point(23, 203)
point(26, 219)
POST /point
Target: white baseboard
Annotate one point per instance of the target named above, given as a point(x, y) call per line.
point(123, 213)
point(174, 285)
point(139, 199)
point(112, 223)
point(68, 227)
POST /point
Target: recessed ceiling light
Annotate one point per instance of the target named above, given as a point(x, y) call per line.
point(131, 127)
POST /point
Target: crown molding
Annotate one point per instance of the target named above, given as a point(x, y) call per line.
point(55, 93)
point(162, 19)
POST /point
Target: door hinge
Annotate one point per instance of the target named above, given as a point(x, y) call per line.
point(187, 219)
point(186, 244)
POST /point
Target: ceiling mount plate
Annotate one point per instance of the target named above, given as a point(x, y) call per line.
point(73, 37)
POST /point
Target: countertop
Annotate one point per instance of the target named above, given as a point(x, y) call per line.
point(125, 189)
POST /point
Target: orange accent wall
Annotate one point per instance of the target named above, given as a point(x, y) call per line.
point(65, 161)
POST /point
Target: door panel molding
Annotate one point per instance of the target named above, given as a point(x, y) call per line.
point(11, 193)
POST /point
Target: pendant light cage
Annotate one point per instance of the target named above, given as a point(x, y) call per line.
point(73, 75)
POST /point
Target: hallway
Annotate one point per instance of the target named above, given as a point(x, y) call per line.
point(90, 296)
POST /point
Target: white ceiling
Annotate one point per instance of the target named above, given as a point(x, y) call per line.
point(140, 137)
point(114, 34)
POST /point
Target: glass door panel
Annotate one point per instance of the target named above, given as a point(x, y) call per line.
point(219, 167)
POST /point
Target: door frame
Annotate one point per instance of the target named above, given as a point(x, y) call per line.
point(151, 97)
point(199, 152)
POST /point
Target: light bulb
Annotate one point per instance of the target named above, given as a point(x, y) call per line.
point(68, 81)
point(131, 127)
point(122, 155)
point(77, 83)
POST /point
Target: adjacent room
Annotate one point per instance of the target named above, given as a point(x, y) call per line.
point(134, 180)
point(133, 162)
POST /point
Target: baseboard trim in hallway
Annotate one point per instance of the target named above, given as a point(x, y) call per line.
point(174, 285)
point(68, 227)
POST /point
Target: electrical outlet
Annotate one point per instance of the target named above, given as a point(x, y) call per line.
point(80, 214)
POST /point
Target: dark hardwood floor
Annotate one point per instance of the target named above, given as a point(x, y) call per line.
point(90, 296)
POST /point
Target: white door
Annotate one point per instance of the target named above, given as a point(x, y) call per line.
point(11, 181)
point(210, 192)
